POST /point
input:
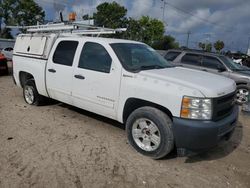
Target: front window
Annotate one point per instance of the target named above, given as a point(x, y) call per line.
point(232, 65)
point(95, 57)
point(137, 57)
point(211, 63)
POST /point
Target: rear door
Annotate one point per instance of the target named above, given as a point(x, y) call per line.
point(192, 61)
point(59, 70)
point(96, 79)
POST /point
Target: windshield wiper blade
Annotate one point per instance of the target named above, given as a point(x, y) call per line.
point(145, 67)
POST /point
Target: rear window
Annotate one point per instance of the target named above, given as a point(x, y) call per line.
point(170, 56)
point(191, 59)
point(65, 53)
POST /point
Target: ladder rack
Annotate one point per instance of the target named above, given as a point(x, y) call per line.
point(69, 28)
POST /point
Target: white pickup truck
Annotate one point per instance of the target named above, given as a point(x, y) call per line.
point(163, 106)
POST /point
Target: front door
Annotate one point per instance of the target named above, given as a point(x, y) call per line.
point(59, 70)
point(96, 79)
point(213, 65)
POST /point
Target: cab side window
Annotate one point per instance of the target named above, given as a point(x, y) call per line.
point(95, 57)
point(65, 52)
point(211, 63)
point(191, 59)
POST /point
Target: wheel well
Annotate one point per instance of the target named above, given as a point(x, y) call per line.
point(24, 76)
point(241, 83)
point(134, 103)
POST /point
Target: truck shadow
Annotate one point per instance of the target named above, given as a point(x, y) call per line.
point(92, 115)
point(222, 150)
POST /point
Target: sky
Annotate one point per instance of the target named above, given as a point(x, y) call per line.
point(205, 20)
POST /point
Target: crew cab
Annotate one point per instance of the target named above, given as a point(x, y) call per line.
point(162, 106)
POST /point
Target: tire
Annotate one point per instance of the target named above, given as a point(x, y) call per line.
point(242, 94)
point(6, 70)
point(149, 131)
point(30, 93)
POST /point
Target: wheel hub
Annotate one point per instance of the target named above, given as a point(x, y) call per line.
point(242, 95)
point(29, 95)
point(146, 134)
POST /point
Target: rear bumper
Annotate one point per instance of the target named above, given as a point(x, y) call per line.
point(201, 135)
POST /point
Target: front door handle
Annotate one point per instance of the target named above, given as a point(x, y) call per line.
point(80, 77)
point(52, 70)
point(204, 70)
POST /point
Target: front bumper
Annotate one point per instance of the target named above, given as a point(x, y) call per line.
point(201, 135)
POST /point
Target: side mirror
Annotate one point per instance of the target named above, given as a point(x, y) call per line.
point(221, 68)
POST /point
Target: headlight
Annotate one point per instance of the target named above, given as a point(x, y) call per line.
point(196, 108)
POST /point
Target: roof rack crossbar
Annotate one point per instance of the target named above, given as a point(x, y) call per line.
point(69, 28)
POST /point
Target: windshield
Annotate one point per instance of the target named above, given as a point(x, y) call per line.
point(137, 57)
point(232, 65)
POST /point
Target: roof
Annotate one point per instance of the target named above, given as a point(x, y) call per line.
point(77, 37)
point(196, 52)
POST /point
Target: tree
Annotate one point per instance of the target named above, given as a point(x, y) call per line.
point(110, 15)
point(145, 29)
point(151, 30)
point(20, 12)
point(168, 42)
point(218, 45)
point(133, 30)
point(202, 46)
point(85, 17)
point(209, 47)
point(6, 33)
point(113, 15)
point(29, 13)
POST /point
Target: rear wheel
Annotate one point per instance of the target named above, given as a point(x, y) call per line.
point(242, 94)
point(149, 131)
point(30, 93)
point(6, 70)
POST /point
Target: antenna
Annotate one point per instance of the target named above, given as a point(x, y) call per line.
point(61, 16)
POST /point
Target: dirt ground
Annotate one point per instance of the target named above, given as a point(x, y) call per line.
point(60, 146)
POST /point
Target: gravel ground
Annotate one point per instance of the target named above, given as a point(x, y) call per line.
point(60, 146)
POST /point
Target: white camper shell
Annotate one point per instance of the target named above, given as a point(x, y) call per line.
point(35, 45)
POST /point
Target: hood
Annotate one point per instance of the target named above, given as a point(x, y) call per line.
point(210, 85)
point(245, 73)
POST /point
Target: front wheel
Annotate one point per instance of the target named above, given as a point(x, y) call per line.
point(242, 94)
point(149, 131)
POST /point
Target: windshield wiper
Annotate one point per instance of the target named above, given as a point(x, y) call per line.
point(147, 67)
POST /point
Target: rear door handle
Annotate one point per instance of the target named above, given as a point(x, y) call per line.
point(204, 70)
point(80, 77)
point(52, 70)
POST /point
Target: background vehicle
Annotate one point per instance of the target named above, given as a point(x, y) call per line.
point(129, 82)
point(3, 65)
point(8, 53)
point(214, 63)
